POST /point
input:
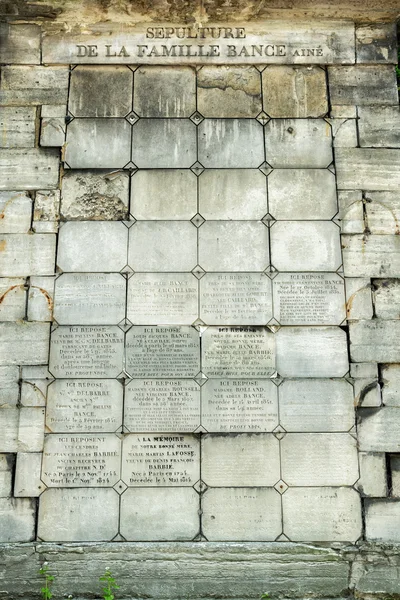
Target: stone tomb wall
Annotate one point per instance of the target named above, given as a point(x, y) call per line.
point(198, 296)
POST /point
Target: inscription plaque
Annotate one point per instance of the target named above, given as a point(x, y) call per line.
point(238, 352)
point(84, 405)
point(86, 352)
point(309, 299)
point(81, 460)
point(164, 405)
point(162, 352)
point(235, 299)
point(160, 460)
point(239, 405)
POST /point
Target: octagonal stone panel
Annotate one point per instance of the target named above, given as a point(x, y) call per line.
point(298, 143)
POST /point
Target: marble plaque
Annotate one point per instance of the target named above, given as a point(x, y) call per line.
point(238, 352)
point(158, 460)
point(162, 405)
point(84, 405)
point(311, 352)
point(81, 460)
point(235, 299)
point(243, 460)
point(305, 246)
point(162, 298)
point(241, 515)
point(316, 405)
point(80, 515)
point(162, 352)
point(160, 514)
point(309, 299)
point(319, 459)
point(86, 351)
point(322, 514)
point(232, 406)
point(90, 298)
point(232, 194)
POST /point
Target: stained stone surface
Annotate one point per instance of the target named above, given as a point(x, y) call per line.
point(298, 143)
point(29, 169)
point(233, 143)
point(15, 211)
point(238, 514)
point(295, 194)
point(151, 192)
point(383, 212)
point(164, 92)
point(164, 143)
point(96, 91)
point(86, 136)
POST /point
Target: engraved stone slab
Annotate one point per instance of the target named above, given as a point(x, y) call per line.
point(165, 91)
point(305, 246)
point(295, 194)
point(235, 299)
point(98, 143)
point(233, 194)
point(224, 246)
point(162, 246)
point(90, 298)
point(229, 91)
point(164, 194)
point(162, 405)
point(162, 298)
point(15, 211)
point(162, 352)
point(164, 143)
point(240, 515)
point(246, 459)
point(160, 460)
point(94, 196)
point(160, 514)
point(316, 405)
point(309, 299)
point(244, 405)
point(316, 352)
point(319, 459)
point(298, 143)
point(104, 91)
point(79, 405)
point(238, 352)
point(81, 460)
point(26, 254)
point(88, 246)
point(231, 144)
point(81, 515)
point(86, 351)
point(24, 343)
point(322, 514)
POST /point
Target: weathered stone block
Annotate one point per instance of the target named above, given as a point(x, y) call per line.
point(379, 126)
point(12, 299)
point(344, 133)
point(371, 255)
point(29, 86)
point(17, 127)
point(376, 43)
point(362, 85)
point(17, 519)
point(387, 298)
point(27, 254)
point(24, 343)
point(382, 520)
point(232, 144)
point(164, 143)
point(375, 341)
point(52, 131)
point(229, 91)
point(394, 466)
point(294, 92)
point(358, 299)
point(391, 385)
point(19, 44)
point(41, 299)
point(367, 169)
point(351, 212)
point(15, 212)
point(9, 388)
point(164, 91)
point(379, 429)
point(104, 91)
point(22, 169)
point(98, 143)
point(152, 191)
point(383, 212)
point(27, 475)
point(372, 480)
point(238, 514)
point(31, 429)
point(92, 196)
point(6, 474)
point(9, 428)
point(157, 514)
point(298, 143)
